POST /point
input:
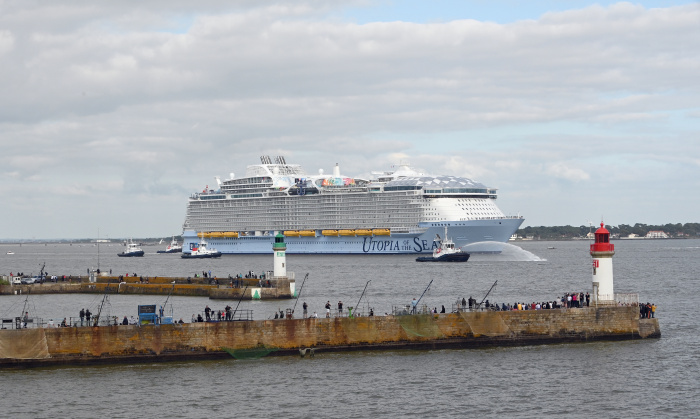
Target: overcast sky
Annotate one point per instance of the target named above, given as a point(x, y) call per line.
point(113, 113)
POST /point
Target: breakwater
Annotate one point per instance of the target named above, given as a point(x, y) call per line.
point(244, 339)
point(247, 289)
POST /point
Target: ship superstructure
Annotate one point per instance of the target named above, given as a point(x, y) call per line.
point(396, 212)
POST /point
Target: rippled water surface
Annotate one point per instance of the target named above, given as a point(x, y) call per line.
point(609, 379)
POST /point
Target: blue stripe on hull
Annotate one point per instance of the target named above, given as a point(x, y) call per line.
point(478, 236)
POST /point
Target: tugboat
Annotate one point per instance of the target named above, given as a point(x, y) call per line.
point(173, 247)
point(200, 251)
point(445, 252)
point(132, 250)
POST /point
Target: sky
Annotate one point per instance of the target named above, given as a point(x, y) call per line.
point(113, 113)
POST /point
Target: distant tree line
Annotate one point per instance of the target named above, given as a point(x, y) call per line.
point(689, 230)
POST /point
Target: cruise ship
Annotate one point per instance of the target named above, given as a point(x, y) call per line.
point(397, 212)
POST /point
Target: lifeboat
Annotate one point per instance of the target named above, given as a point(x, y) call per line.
point(329, 232)
point(291, 233)
point(363, 232)
point(307, 233)
point(230, 234)
point(381, 232)
point(207, 234)
point(216, 234)
point(346, 232)
point(200, 235)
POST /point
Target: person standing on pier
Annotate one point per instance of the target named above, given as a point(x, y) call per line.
point(207, 313)
point(82, 315)
point(87, 315)
point(328, 309)
point(305, 307)
point(340, 308)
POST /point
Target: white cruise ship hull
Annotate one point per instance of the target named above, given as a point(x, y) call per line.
point(474, 236)
point(398, 212)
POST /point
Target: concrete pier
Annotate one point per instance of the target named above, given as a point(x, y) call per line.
point(278, 288)
point(244, 339)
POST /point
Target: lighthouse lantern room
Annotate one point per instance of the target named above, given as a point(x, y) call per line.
point(602, 252)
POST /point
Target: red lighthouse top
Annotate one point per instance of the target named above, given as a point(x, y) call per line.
point(602, 240)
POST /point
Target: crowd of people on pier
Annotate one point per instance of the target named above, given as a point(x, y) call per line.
point(647, 311)
point(217, 315)
point(568, 300)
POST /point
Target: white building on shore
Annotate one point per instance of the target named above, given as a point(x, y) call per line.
point(656, 234)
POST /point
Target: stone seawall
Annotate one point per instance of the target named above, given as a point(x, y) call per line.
point(257, 338)
point(282, 289)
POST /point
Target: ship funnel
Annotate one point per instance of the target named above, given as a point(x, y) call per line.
point(231, 176)
point(336, 170)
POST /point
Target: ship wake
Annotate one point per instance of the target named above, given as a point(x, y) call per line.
point(501, 252)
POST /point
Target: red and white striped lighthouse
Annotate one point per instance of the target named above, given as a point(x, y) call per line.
point(602, 252)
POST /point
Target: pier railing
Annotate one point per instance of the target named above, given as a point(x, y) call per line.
point(627, 299)
point(38, 322)
point(621, 299)
point(235, 315)
point(407, 309)
point(21, 323)
point(271, 275)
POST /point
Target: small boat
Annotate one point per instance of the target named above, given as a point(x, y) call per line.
point(445, 252)
point(381, 232)
point(132, 250)
point(10, 252)
point(363, 232)
point(200, 251)
point(307, 233)
point(173, 247)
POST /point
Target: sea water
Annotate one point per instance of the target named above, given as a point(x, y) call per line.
point(608, 379)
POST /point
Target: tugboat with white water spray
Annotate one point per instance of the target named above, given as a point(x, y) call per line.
point(200, 251)
point(173, 247)
point(446, 251)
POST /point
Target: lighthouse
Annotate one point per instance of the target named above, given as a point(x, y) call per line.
point(602, 252)
point(279, 249)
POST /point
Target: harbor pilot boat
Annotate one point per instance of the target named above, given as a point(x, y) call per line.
point(132, 250)
point(173, 247)
point(445, 251)
point(200, 251)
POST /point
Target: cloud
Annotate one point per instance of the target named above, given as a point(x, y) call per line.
point(155, 99)
point(564, 171)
